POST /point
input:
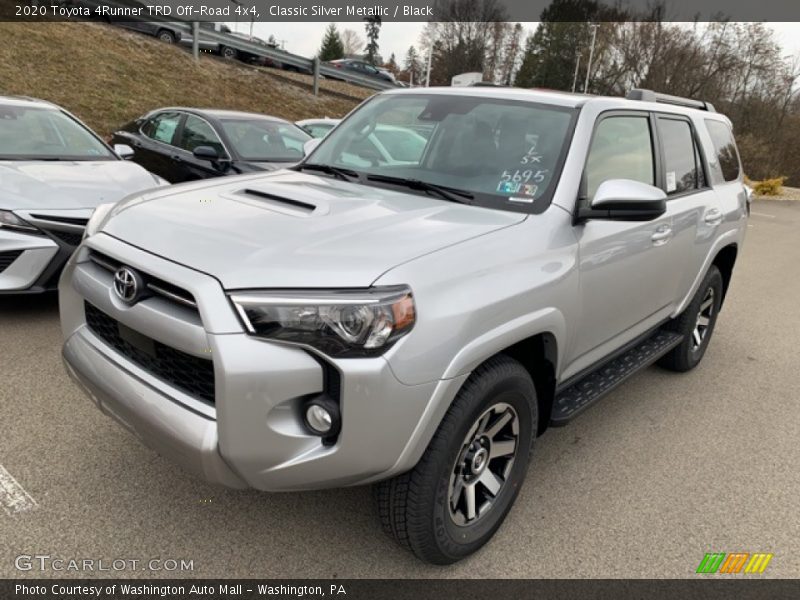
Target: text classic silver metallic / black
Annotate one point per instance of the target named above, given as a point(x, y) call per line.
point(447, 273)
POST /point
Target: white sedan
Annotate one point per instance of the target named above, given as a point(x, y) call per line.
point(54, 171)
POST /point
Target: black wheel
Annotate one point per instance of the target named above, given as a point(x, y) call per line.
point(696, 324)
point(227, 53)
point(452, 502)
point(166, 36)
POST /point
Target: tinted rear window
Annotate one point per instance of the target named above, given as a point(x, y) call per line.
point(725, 148)
point(683, 171)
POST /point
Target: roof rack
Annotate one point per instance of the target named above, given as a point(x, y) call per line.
point(651, 96)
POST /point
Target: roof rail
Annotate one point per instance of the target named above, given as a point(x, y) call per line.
point(651, 96)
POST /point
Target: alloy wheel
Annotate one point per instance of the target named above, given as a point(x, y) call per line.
point(704, 317)
point(483, 464)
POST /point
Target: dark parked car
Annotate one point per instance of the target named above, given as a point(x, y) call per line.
point(364, 68)
point(185, 144)
point(162, 30)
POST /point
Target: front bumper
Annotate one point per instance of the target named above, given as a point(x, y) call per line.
point(251, 435)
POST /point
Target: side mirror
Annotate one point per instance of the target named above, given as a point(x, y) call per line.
point(625, 200)
point(124, 151)
point(309, 146)
point(206, 153)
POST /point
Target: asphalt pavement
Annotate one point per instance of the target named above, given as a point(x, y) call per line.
point(665, 469)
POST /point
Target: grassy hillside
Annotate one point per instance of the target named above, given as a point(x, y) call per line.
point(108, 76)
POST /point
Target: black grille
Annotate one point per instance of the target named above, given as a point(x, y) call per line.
point(6, 258)
point(71, 220)
point(193, 375)
point(68, 237)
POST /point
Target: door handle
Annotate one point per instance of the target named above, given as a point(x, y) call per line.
point(713, 217)
point(176, 157)
point(661, 235)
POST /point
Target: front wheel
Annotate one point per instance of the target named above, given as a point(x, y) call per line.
point(454, 500)
point(696, 324)
point(228, 53)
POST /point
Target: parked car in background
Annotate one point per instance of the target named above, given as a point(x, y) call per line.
point(54, 171)
point(253, 59)
point(317, 128)
point(208, 45)
point(363, 68)
point(162, 30)
point(185, 144)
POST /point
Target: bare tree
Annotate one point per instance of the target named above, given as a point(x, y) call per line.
point(352, 42)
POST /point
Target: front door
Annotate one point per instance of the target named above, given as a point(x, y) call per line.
point(624, 265)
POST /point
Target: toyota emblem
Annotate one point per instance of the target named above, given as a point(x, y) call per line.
point(127, 285)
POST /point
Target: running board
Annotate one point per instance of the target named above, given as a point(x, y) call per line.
point(579, 396)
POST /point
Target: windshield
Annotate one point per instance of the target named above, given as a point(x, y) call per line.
point(265, 140)
point(38, 133)
point(506, 153)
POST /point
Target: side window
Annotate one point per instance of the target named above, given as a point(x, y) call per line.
point(162, 127)
point(725, 148)
point(682, 169)
point(622, 148)
point(197, 132)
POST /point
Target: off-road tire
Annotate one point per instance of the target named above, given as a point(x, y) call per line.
point(414, 507)
point(688, 354)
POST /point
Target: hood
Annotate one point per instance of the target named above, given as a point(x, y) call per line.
point(40, 185)
point(287, 229)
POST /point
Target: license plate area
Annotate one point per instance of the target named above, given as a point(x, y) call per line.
point(141, 342)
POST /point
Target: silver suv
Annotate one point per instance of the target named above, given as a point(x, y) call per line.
point(413, 319)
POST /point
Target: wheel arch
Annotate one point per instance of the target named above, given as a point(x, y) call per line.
point(724, 261)
point(539, 355)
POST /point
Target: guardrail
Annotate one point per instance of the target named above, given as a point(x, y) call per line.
point(314, 66)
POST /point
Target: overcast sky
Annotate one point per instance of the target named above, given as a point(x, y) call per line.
point(304, 38)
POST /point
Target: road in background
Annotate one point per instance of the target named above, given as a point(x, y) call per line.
point(664, 469)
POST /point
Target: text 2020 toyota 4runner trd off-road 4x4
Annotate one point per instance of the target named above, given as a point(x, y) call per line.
point(413, 316)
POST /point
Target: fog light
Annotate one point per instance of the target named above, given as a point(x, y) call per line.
point(321, 417)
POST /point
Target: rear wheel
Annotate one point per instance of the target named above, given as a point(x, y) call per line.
point(696, 324)
point(227, 52)
point(461, 490)
point(166, 36)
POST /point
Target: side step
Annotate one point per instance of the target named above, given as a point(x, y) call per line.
point(579, 396)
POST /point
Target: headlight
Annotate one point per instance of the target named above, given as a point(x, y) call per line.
point(97, 220)
point(339, 323)
point(8, 220)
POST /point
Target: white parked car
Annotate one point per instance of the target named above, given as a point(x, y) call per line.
point(54, 171)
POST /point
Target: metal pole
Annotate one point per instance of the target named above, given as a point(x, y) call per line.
point(577, 65)
point(196, 40)
point(316, 75)
point(591, 54)
point(428, 75)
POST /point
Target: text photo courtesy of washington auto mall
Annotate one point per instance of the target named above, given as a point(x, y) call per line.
point(399, 299)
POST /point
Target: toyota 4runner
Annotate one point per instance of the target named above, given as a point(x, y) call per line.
point(411, 308)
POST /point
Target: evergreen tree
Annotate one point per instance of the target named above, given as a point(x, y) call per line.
point(551, 52)
point(373, 29)
point(412, 65)
point(332, 47)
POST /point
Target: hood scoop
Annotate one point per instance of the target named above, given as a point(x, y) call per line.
point(282, 204)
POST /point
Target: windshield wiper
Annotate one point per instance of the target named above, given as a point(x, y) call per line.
point(338, 172)
point(448, 193)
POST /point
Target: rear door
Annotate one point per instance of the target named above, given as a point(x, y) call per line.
point(154, 148)
point(692, 204)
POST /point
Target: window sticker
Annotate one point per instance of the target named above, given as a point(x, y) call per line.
point(531, 157)
point(508, 187)
point(671, 183)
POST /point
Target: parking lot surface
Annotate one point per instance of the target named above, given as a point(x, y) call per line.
point(661, 471)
